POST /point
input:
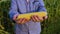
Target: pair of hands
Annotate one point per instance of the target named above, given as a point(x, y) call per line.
point(35, 18)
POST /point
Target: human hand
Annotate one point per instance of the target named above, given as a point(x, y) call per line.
point(45, 17)
point(36, 18)
point(19, 21)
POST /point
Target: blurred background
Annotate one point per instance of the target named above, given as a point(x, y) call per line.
point(49, 26)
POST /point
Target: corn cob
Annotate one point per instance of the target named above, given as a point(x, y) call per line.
point(28, 15)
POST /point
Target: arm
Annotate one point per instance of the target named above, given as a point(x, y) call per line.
point(41, 6)
point(13, 9)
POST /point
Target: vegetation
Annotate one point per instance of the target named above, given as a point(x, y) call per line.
point(49, 26)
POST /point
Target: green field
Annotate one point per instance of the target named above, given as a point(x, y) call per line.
point(49, 26)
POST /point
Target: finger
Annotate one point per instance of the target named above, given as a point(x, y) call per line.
point(37, 18)
point(24, 20)
point(17, 21)
point(33, 18)
point(41, 19)
point(14, 17)
point(21, 21)
point(46, 17)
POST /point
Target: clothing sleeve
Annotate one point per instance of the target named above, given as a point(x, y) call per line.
point(13, 9)
point(41, 6)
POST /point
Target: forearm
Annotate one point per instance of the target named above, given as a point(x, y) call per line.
point(41, 6)
point(13, 9)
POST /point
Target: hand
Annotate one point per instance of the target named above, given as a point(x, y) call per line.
point(45, 17)
point(36, 18)
point(20, 21)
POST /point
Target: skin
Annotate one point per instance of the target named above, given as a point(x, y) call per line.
point(35, 18)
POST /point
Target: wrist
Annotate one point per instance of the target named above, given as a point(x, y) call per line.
point(15, 17)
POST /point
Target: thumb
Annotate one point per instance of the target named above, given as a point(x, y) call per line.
point(15, 16)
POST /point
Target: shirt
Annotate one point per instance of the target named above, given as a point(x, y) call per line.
point(22, 7)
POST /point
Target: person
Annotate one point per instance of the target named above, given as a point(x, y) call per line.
point(27, 6)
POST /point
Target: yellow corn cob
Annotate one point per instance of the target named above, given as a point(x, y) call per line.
point(28, 15)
